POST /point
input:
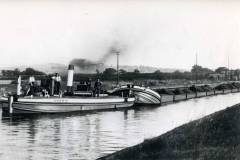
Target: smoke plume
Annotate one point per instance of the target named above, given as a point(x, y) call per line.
point(87, 66)
point(90, 66)
point(115, 48)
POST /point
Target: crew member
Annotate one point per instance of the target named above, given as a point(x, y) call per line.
point(48, 84)
point(57, 83)
point(89, 83)
point(31, 82)
point(97, 87)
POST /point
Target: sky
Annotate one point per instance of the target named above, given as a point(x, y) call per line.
point(164, 33)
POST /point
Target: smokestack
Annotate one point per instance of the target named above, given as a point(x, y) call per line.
point(70, 78)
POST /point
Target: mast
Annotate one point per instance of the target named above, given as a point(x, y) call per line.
point(117, 53)
point(229, 71)
point(196, 67)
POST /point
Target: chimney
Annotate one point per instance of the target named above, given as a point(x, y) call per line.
point(70, 79)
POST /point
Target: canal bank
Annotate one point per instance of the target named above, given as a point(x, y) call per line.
point(213, 137)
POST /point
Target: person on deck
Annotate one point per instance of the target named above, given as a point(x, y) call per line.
point(97, 87)
point(89, 83)
point(48, 84)
point(31, 82)
point(57, 83)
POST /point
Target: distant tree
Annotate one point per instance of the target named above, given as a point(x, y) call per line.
point(11, 73)
point(200, 70)
point(122, 71)
point(196, 68)
point(3, 72)
point(157, 71)
point(16, 71)
point(31, 71)
point(97, 71)
point(221, 70)
point(200, 73)
point(109, 71)
point(237, 74)
point(136, 71)
point(177, 74)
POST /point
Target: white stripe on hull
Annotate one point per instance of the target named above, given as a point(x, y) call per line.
point(56, 108)
point(143, 95)
point(74, 100)
point(145, 98)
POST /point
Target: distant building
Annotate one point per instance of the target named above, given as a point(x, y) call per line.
point(217, 76)
point(225, 75)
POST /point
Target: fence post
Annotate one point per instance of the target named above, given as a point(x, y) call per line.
point(206, 93)
point(186, 96)
point(174, 98)
point(196, 94)
point(214, 91)
point(223, 91)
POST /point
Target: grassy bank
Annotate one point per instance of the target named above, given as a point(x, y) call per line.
point(214, 137)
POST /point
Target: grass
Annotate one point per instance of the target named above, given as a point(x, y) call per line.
point(215, 137)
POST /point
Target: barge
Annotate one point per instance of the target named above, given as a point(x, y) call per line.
point(143, 95)
point(67, 102)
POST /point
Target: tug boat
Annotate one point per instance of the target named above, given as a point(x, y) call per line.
point(24, 105)
point(69, 102)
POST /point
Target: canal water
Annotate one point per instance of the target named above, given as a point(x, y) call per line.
point(89, 136)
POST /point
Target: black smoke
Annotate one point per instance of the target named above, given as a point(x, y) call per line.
point(114, 49)
point(87, 66)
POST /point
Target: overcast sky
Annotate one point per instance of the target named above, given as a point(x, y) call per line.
point(155, 33)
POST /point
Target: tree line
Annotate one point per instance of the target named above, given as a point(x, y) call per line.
point(196, 73)
point(16, 72)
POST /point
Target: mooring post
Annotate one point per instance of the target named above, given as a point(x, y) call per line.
point(10, 102)
point(160, 99)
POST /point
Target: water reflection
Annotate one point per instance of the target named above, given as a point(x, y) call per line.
point(88, 136)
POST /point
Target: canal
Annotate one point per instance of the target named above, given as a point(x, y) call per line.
point(89, 136)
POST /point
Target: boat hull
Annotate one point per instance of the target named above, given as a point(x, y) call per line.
point(64, 105)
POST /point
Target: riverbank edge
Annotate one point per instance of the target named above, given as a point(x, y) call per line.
point(216, 136)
